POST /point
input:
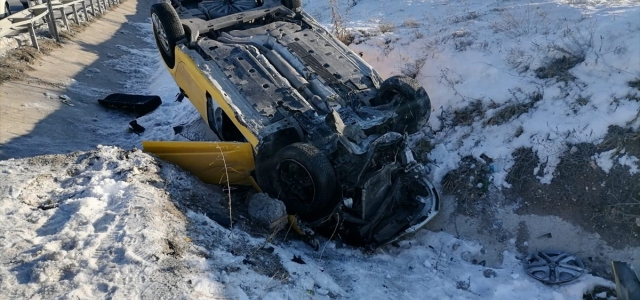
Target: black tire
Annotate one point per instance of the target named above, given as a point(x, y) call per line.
point(412, 107)
point(25, 5)
point(318, 169)
point(165, 20)
point(295, 5)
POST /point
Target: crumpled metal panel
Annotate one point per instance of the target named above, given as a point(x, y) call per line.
point(212, 162)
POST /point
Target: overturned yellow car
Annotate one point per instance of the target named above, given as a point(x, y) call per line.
point(302, 116)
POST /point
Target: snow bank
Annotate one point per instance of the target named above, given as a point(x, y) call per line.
point(111, 223)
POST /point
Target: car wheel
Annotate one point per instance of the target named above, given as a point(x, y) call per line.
point(167, 31)
point(295, 5)
point(409, 100)
point(304, 180)
point(25, 5)
point(7, 10)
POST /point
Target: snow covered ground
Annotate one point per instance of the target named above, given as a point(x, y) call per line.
point(114, 223)
point(489, 54)
point(118, 224)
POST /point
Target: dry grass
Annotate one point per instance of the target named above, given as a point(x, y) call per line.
point(19, 61)
point(386, 27)
point(514, 110)
point(411, 23)
point(339, 30)
point(559, 68)
point(466, 116)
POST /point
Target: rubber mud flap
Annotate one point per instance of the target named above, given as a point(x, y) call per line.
point(141, 104)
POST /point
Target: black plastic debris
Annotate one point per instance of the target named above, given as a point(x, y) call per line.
point(141, 104)
point(553, 267)
point(48, 206)
point(135, 127)
point(179, 97)
point(627, 282)
point(298, 259)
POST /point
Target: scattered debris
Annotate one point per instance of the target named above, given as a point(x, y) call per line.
point(546, 235)
point(489, 273)
point(135, 127)
point(48, 206)
point(141, 104)
point(179, 97)
point(298, 259)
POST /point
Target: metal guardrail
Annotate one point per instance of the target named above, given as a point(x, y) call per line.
point(39, 13)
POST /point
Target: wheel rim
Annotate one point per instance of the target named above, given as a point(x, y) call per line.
point(161, 35)
point(553, 267)
point(296, 182)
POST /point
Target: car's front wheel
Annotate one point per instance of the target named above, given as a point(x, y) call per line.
point(409, 100)
point(303, 179)
point(167, 31)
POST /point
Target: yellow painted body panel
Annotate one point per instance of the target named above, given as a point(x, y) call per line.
point(212, 162)
point(196, 85)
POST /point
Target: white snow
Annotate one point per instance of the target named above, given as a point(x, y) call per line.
point(112, 230)
point(115, 233)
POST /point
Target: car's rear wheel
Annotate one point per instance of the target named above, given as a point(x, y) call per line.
point(303, 179)
point(167, 31)
point(25, 5)
point(409, 100)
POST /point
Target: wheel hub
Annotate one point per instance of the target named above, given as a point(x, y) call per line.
point(553, 267)
point(161, 35)
point(296, 182)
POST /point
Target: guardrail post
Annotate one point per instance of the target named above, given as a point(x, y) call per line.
point(75, 14)
point(53, 29)
point(84, 11)
point(104, 4)
point(100, 7)
point(93, 8)
point(32, 33)
point(64, 18)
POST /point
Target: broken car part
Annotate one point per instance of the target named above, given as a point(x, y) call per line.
point(553, 267)
point(141, 104)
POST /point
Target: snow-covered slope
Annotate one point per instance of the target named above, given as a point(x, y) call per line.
point(114, 223)
point(488, 56)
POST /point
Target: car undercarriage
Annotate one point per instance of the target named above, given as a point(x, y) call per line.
point(330, 135)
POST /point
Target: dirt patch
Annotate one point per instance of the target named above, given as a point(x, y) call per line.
point(635, 83)
point(20, 60)
point(581, 192)
point(470, 184)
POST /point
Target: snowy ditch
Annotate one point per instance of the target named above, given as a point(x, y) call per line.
point(121, 224)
